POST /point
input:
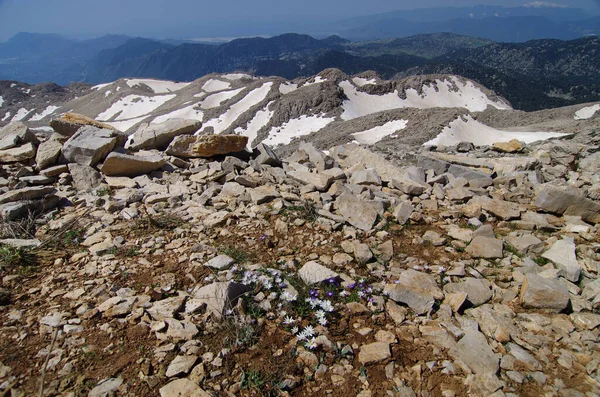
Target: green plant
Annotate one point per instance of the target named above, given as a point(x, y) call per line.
point(252, 379)
point(235, 253)
point(307, 211)
point(510, 248)
point(541, 261)
point(103, 191)
point(12, 257)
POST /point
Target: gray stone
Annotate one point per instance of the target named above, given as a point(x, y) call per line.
point(366, 177)
point(499, 208)
point(15, 134)
point(89, 145)
point(419, 300)
point(194, 146)
point(314, 273)
point(216, 219)
point(181, 365)
point(478, 290)
point(473, 350)
point(409, 186)
point(485, 247)
point(466, 172)
point(568, 202)
point(84, 177)
point(220, 262)
point(267, 156)
point(362, 253)
point(438, 166)
point(263, 194)
point(166, 308)
point(562, 254)
point(106, 387)
point(527, 244)
point(118, 164)
point(182, 388)
point(159, 136)
point(216, 297)
point(48, 153)
point(27, 193)
point(403, 211)
point(357, 212)
point(523, 357)
point(374, 353)
point(541, 293)
point(21, 243)
point(18, 154)
point(320, 181)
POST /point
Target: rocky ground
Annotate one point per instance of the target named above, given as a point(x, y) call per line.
point(176, 265)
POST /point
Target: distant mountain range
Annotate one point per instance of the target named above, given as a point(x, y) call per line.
point(532, 74)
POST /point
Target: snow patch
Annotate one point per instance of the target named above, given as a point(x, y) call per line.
point(261, 119)
point(107, 93)
point(444, 93)
point(216, 85)
point(42, 129)
point(133, 106)
point(13, 85)
point(126, 124)
point(6, 116)
point(374, 135)
point(1, 101)
point(188, 113)
point(100, 86)
point(360, 81)
point(251, 99)
point(158, 86)
point(236, 76)
point(286, 88)
point(47, 112)
point(587, 112)
point(304, 125)
point(465, 129)
point(215, 100)
point(317, 80)
point(21, 114)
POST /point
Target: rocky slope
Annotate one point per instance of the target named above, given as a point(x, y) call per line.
point(187, 266)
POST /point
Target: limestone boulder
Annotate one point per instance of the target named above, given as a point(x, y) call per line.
point(16, 134)
point(17, 154)
point(538, 292)
point(191, 146)
point(67, 124)
point(567, 201)
point(48, 152)
point(159, 136)
point(357, 212)
point(118, 164)
point(89, 145)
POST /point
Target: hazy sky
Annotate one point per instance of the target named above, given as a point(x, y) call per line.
point(199, 18)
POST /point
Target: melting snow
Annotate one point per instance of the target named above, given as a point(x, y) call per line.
point(215, 100)
point(1, 101)
point(100, 86)
point(360, 81)
point(252, 98)
point(13, 85)
point(582, 114)
point(317, 80)
point(133, 106)
point(158, 86)
point(47, 112)
point(441, 95)
point(188, 112)
point(6, 116)
point(43, 129)
point(236, 76)
point(107, 93)
point(473, 131)
point(126, 124)
point(374, 135)
point(286, 88)
point(215, 85)
point(21, 114)
point(296, 127)
point(261, 119)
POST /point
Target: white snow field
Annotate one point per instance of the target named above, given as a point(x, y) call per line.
point(375, 134)
point(236, 76)
point(304, 125)
point(465, 129)
point(21, 114)
point(126, 124)
point(213, 85)
point(317, 80)
point(101, 86)
point(261, 118)
point(286, 88)
point(361, 81)
point(133, 106)
point(189, 112)
point(158, 86)
point(1, 101)
point(587, 112)
point(442, 94)
point(6, 116)
point(255, 96)
point(215, 100)
point(47, 112)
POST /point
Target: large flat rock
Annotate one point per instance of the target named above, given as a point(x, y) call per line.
point(190, 146)
point(538, 292)
point(89, 145)
point(567, 202)
point(118, 164)
point(159, 136)
point(356, 212)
